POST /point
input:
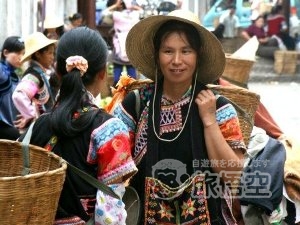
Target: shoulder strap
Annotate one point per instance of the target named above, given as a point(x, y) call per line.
point(88, 178)
point(93, 181)
point(25, 151)
point(43, 75)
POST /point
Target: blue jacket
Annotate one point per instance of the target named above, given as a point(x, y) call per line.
point(8, 82)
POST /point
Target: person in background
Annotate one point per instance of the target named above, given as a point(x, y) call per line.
point(75, 20)
point(11, 53)
point(230, 22)
point(33, 95)
point(84, 135)
point(180, 123)
point(267, 45)
point(277, 28)
point(53, 27)
point(124, 17)
point(168, 6)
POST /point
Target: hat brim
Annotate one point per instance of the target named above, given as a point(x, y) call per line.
point(33, 49)
point(140, 48)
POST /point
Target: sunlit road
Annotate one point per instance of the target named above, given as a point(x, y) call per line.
point(282, 101)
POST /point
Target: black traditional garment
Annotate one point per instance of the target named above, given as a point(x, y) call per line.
point(187, 154)
point(82, 150)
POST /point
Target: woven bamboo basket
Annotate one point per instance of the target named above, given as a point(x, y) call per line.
point(245, 103)
point(33, 198)
point(285, 62)
point(237, 70)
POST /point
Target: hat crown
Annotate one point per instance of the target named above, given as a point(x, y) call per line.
point(35, 42)
point(36, 39)
point(187, 15)
point(52, 22)
point(140, 47)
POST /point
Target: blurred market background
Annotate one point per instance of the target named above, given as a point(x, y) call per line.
point(23, 17)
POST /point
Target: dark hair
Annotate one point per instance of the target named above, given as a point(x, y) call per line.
point(276, 9)
point(260, 17)
point(88, 43)
point(171, 26)
point(12, 44)
point(58, 30)
point(231, 7)
point(41, 51)
point(75, 16)
point(112, 2)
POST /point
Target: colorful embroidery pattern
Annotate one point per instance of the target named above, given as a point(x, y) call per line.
point(103, 134)
point(186, 204)
point(229, 125)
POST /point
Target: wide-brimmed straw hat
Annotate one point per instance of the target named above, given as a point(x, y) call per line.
point(52, 21)
point(35, 42)
point(140, 47)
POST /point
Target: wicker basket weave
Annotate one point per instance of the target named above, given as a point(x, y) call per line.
point(245, 102)
point(285, 62)
point(237, 70)
point(33, 198)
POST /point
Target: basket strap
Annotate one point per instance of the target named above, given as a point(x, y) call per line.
point(88, 178)
point(25, 151)
point(93, 181)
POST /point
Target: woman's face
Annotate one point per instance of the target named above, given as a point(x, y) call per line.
point(51, 34)
point(46, 58)
point(177, 59)
point(260, 22)
point(77, 22)
point(14, 58)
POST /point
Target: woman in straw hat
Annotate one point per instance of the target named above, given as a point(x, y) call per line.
point(84, 135)
point(54, 28)
point(33, 95)
point(187, 141)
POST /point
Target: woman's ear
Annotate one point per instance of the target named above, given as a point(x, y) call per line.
point(102, 74)
point(5, 52)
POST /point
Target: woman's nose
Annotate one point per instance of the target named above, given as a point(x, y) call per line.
point(177, 58)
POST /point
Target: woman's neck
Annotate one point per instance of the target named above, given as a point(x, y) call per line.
point(34, 62)
point(175, 92)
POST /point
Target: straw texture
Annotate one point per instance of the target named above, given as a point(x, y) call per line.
point(35, 42)
point(285, 62)
point(237, 70)
point(30, 199)
point(245, 103)
point(140, 47)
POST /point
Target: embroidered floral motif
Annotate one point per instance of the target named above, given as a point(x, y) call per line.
point(165, 211)
point(188, 208)
point(185, 204)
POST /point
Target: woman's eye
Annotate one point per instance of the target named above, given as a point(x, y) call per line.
point(167, 51)
point(187, 51)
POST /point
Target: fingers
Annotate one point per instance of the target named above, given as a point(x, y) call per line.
point(205, 96)
point(206, 102)
point(19, 116)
